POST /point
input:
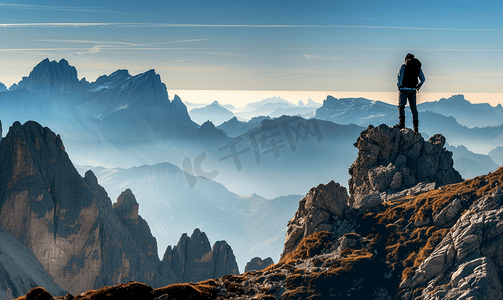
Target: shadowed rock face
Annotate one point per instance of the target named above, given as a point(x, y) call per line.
point(257, 264)
point(193, 259)
point(325, 208)
point(126, 209)
point(74, 231)
point(20, 271)
point(391, 160)
point(66, 221)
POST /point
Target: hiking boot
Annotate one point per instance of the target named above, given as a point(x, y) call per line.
point(416, 125)
point(401, 124)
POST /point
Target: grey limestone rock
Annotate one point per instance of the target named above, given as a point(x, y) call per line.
point(193, 259)
point(257, 264)
point(126, 209)
point(466, 262)
point(66, 221)
point(325, 207)
point(391, 160)
point(20, 271)
point(223, 259)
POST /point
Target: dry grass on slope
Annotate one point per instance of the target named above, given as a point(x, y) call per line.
point(396, 237)
point(407, 229)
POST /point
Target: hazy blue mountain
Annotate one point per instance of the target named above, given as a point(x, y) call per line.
point(465, 112)
point(478, 139)
point(124, 120)
point(253, 225)
point(305, 112)
point(234, 127)
point(284, 156)
point(213, 112)
point(272, 100)
point(228, 106)
point(470, 164)
point(497, 155)
point(366, 112)
point(358, 111)
point(263, 107)
point(3, 88)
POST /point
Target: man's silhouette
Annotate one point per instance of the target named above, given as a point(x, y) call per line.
point(408, 84)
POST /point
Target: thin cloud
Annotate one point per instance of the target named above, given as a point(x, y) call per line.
point(147, 25)
point(132, 46)
point(41, 49)
point(118, 42)
point(60, 8)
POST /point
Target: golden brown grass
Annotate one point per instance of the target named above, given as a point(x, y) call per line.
point(37, 293)
point(202, 290)
point(132, 290)
point(407, 246)
point(392, 242)
point(310, 246)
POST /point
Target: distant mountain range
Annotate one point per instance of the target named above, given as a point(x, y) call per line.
point(253, 225)
point(466, 113)
point(433, 118)
point(118, 115)
point(214, 112)
point(124, 121)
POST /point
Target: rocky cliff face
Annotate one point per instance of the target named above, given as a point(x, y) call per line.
point(66, 220)
point(391, 164)
point(193, 259)
point(325, 208)
point(126, 209)
point(70, 224)
point(468, 261)
point(20, 271)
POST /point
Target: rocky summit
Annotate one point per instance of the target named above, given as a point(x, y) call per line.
point(391, 161)
point(431, 237)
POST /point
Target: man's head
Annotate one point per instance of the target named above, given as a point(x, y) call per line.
point(409, 56)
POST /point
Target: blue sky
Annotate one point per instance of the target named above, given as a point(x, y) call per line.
point(261, 45)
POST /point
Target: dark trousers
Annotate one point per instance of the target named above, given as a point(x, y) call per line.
point(402, 101)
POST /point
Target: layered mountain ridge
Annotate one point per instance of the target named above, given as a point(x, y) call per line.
point(98, 116)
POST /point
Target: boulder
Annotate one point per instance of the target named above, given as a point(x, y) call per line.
point(324, 208)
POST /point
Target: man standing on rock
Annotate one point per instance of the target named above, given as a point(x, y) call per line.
point(408, 84)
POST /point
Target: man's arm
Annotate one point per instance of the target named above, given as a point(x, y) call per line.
point(422, 78)
point(399, 76)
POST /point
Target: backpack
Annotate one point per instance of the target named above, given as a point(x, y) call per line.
point(411, 73)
